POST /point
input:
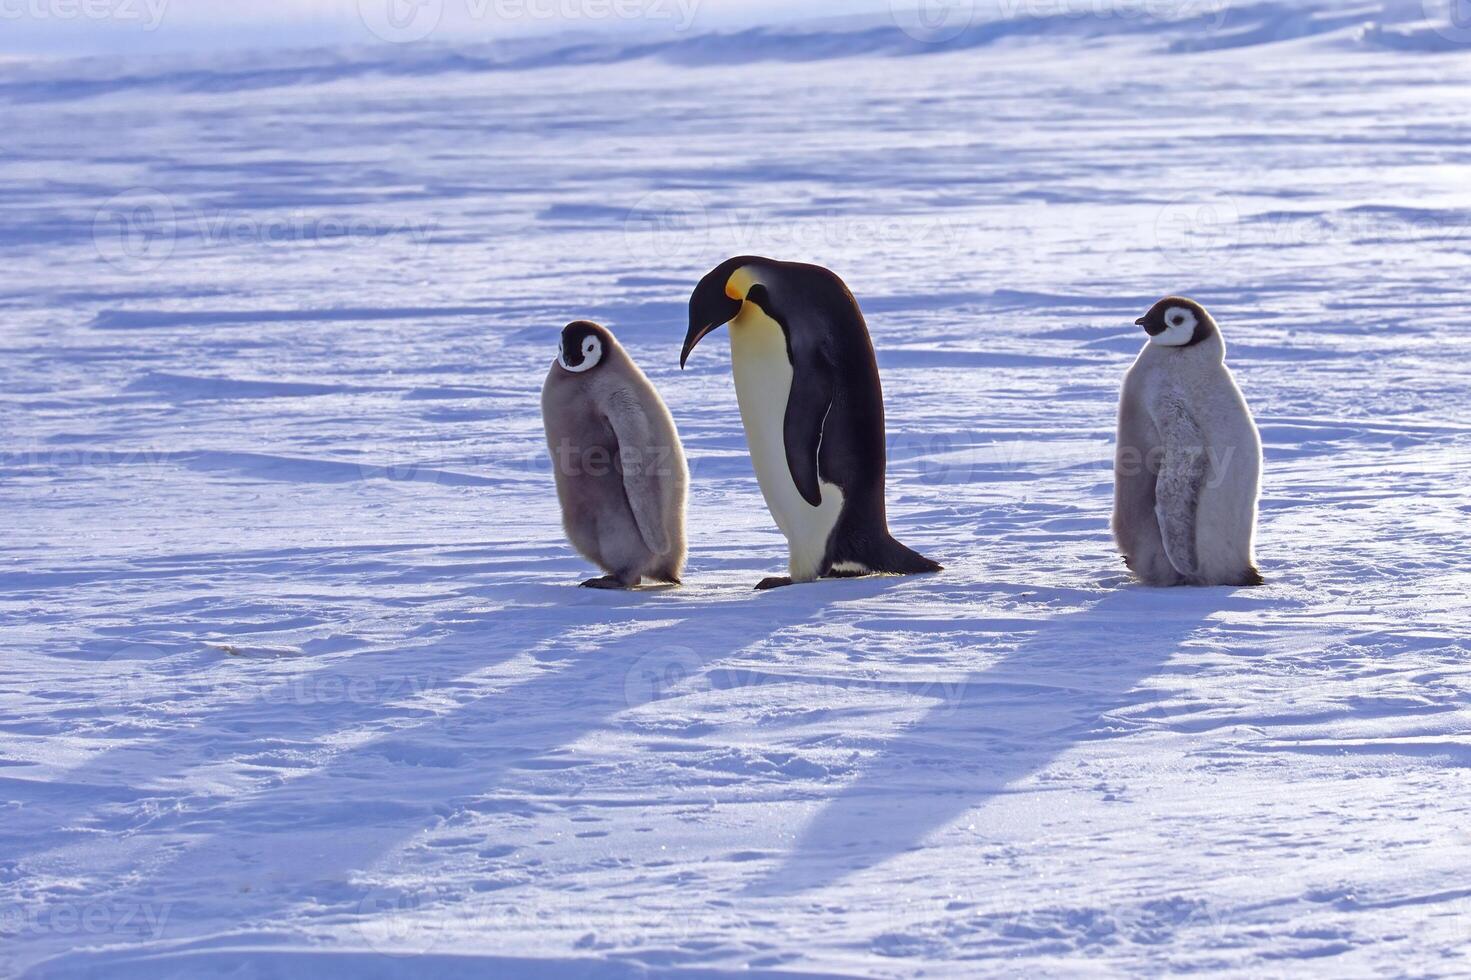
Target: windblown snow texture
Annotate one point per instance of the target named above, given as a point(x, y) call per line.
point(297, 679)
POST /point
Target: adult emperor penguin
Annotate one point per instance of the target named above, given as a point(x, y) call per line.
point(620, 469)
point(808, 388)
point(1187, 469)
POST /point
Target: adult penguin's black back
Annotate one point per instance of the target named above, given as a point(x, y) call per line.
point(812, 404)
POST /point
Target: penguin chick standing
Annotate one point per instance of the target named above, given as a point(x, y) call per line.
point(620, 468)
point(808, 388)
point(1187, 469)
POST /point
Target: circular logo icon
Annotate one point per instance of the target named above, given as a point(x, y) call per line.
point(131, 677)
point(135, 231)
point(417, 459)
point(401, 21)
point(393, 920)
point(1189, 230)
point(1451, 19)
point(12, 920)
point(933, 21)
point(664, 673)
point(667, 223)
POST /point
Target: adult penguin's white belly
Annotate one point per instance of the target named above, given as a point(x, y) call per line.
point(763, 380)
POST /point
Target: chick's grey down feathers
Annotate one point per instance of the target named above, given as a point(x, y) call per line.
point(1188, 462)
point(620, 469)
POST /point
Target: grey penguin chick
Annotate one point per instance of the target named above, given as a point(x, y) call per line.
point(1188, 464)
point(620, 470)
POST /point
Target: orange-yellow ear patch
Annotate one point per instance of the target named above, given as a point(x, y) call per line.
point(739, 283)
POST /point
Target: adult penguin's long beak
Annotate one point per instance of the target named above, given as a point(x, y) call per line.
point(697, 333)
point(710, 309)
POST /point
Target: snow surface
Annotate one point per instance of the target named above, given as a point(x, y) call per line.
point(296, 679)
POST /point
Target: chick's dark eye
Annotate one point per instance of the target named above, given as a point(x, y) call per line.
point(1176, 320)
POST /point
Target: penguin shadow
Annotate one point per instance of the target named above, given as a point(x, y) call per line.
point(1054, 691)
point(326, 827)
point(259, 706)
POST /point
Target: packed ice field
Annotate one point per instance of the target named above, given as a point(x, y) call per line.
point(298, 679)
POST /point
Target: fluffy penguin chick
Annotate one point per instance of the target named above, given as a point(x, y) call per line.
point(620, 469)
point(1187, 469)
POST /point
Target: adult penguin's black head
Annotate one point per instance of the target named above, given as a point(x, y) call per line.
point(1176, 321)
point(718, 298)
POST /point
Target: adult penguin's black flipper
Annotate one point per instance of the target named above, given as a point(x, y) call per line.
point(809, 398)
point(807, 408)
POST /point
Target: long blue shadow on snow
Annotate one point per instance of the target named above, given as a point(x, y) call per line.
point(1051, 693)
point(308, 836)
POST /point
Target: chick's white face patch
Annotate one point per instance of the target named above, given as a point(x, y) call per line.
point(1180, 326)
point(592, 353)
